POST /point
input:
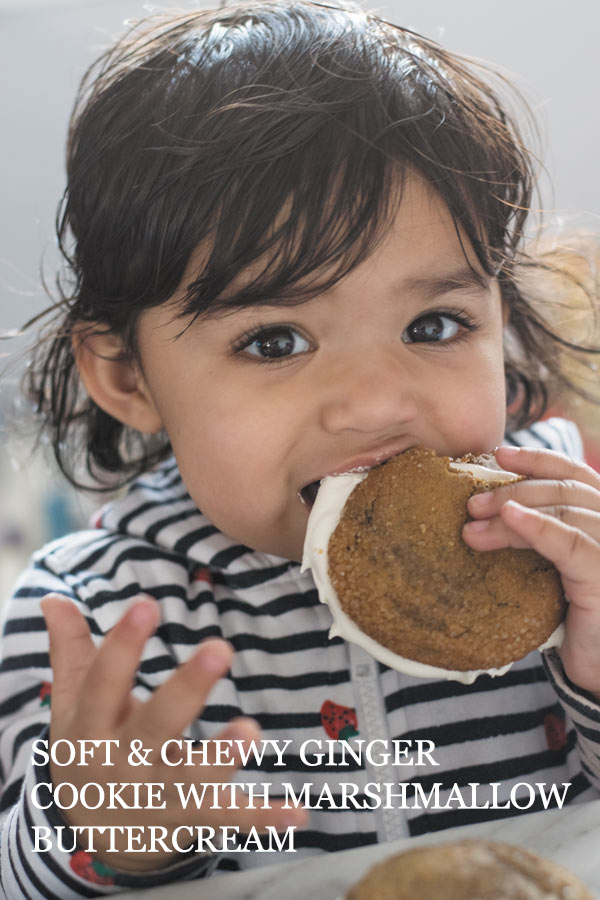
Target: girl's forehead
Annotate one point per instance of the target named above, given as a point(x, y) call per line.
point(419, 237)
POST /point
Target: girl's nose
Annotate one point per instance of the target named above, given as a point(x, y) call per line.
point(371, 395)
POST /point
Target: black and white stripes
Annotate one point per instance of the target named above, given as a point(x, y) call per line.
point(510, 732)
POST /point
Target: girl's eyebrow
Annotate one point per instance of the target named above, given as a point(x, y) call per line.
point(432, 286)
point(429, 287)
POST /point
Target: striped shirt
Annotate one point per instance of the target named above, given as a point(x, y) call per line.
point(499, 745)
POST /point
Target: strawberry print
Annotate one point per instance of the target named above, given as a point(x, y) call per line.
point(203, 574)
point(339, 722)
point(84, 865)
point(46, 693)
point(555, 729)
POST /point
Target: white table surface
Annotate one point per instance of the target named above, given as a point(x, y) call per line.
point(570, 836)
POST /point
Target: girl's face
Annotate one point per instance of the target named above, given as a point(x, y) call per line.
point(260, 403)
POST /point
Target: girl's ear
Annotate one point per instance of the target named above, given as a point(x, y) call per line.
point(114, 380)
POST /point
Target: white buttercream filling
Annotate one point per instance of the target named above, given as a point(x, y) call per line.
point(323, 520)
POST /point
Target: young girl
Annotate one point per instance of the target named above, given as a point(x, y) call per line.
point(294, 243)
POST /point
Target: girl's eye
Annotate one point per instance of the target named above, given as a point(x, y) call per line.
point(273, 343)
point(436, 327)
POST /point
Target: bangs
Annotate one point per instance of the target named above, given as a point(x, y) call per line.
point(310, 224)
point(274, 143)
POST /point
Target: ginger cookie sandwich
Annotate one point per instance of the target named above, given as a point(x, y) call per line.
point(387, 556)
point(469, 870)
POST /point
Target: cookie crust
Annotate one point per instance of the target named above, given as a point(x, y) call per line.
point(404, 575)
point(469, 870)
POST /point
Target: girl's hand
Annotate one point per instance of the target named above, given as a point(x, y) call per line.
point(92, 699)
point(557, 513)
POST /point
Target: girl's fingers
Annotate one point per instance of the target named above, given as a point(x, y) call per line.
point(212, 766)
point(495, 533)
point(106, 686)
point(71, 649)
point(574, 553)
point(241, 732)
point(180, 699)
point(253, 815)
point(538, 463)
point(536, 493)
point(243, 729)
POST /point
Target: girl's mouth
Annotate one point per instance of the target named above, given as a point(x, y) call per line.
point(308, 494)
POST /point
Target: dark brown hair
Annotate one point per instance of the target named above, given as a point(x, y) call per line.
point(278, 131)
